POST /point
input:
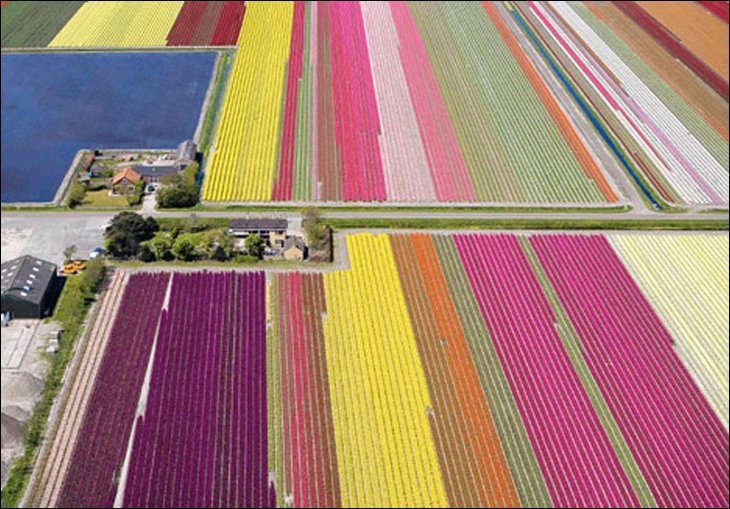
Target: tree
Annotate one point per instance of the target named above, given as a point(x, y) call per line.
point(313, 226)
point(76, 195)
point(161, 246)
point(93, 276)
point(221, 246)
point(183, 249)
point(145, 253)
point(177, 194)
point(69, 252)
point(126, 231)
point(254, 246)
point(180, 191)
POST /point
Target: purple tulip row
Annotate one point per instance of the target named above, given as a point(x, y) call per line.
point(678, 442)
point(575, 455)
point(93, 472)
point(202, 441)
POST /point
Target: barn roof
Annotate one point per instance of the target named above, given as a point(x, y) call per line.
point(258, 224)
point(27, 278)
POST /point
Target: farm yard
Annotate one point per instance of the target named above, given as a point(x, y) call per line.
point(56, 104)
point(432, 372)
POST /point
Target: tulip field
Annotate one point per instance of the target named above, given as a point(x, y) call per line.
point(120, 24)
point(201, 439)
point(384, 101)
point(683, 155)
point(466, 370)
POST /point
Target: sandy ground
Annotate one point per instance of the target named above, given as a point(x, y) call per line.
point(47, 235)
point(22, 385)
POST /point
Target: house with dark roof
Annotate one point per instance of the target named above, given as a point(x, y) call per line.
point(153, 173)
point(29, 287)
point(271, 231)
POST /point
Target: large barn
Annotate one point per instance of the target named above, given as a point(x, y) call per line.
point(29, 287)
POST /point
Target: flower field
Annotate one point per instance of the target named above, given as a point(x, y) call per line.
point(107, 425)
point(120, 24)
point(384, 101)
point(469, 370)
point(683, 155)
point(689, 291)
point(201, 438)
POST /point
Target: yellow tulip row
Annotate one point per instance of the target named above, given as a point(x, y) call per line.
point(119, 24)
point(242, 165)
point(380, 401)
point(685, 277)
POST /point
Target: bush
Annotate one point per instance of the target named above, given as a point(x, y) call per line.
point(135, 198)
point(76, 195)
point(145, 253)
point(254, 246)
point(180, 191)
point(183, 248)
point(177, 195)
point(313, 226)
point(161, 246)
point(92, 277)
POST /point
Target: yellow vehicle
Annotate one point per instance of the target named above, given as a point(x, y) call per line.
point(72, 267)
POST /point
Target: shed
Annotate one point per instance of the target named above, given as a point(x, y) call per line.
point(29, 287)
point(186, 151)
point(294, 248)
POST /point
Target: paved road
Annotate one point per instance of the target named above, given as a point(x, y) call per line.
point(47, 234)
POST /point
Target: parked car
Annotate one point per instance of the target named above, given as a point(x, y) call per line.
point(96, 253)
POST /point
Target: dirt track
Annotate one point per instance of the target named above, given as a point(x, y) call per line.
point(65, 424)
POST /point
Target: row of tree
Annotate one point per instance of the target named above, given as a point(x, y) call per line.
point(130, 235)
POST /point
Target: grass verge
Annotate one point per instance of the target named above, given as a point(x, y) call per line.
point(530, 224)
point(73, 305)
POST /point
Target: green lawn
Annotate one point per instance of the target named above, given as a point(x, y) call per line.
point(101, 200)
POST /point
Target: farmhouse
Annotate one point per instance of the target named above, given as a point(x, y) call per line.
point(271, 231)
point(125, 180)
point(153, 173)
point(29, 287)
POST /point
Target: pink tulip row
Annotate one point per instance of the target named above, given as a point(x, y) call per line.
point(678, 442)
point(573, 450)
point(357, 126)
point(406, 170)
point(446, 164)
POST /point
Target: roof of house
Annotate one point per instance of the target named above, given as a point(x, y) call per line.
point(186, 151)
point(294, 241)
point(127, 173)
point(258, 224)
point(157, 170)
point(27, 278)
